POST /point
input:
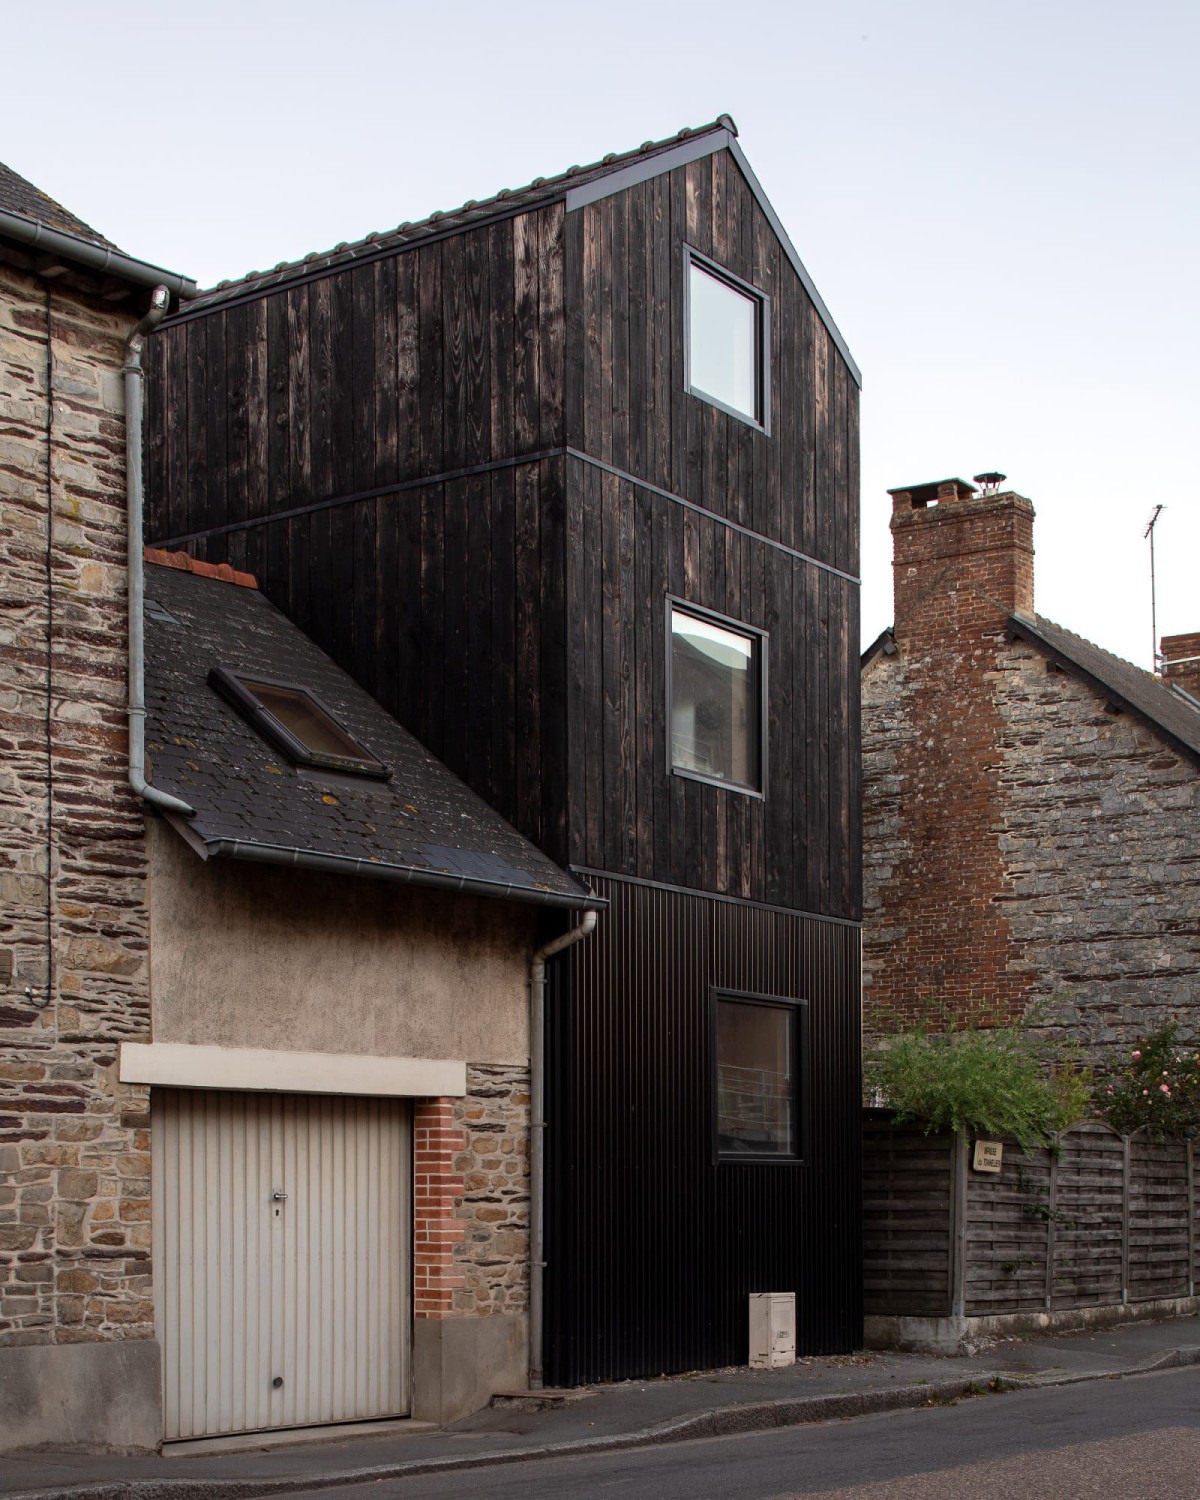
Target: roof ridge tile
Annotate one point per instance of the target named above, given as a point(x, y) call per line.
point(188, 564)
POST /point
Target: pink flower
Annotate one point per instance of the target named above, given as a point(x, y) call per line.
point(1145, 1091)
point(1163, 1089)
point(1136, 1055)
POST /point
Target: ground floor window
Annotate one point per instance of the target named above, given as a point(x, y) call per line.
point(758, 1044)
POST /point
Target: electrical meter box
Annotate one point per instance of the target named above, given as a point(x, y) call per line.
point(772, 1329)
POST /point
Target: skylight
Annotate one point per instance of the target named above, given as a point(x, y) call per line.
point(296, 722)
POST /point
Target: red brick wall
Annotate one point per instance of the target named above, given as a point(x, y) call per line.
point(937, 933)
point(437, 1194)
point(1180, 648)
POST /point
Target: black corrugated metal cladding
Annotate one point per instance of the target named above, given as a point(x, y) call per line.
point(652, 1248)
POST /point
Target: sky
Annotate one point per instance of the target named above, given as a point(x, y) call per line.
point(999, 202)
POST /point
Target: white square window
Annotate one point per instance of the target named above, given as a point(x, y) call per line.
point(726, 341)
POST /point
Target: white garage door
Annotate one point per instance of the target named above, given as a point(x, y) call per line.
point(281, 1259)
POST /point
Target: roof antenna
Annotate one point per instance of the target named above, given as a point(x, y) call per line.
point(1149, 532)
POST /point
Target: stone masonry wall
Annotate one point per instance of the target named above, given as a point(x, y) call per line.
point(1101, 840)
point(471, 1197)
point(74, 1145)
point(1095, 831)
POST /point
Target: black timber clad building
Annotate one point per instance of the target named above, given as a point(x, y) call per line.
point(534, 472)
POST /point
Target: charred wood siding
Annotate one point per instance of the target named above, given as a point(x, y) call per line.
point(341, 406)
point(653, 1248)
point(626, 402)
point(628, 549)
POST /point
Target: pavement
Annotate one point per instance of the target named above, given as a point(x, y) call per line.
point(611, 1418)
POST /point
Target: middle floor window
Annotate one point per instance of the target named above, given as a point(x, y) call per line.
point(717, 698)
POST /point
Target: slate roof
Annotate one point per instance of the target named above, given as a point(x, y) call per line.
point(19, 196)
point(423, 825)
point(1133, 689)
point(539, 190)
point(1130, 686)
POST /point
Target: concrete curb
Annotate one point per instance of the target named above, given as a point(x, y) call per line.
point(721, 1421)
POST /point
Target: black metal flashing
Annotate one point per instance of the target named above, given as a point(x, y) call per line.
point(423, 826)
point(504, 204)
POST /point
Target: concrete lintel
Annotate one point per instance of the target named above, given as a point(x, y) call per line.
point(263, 1070)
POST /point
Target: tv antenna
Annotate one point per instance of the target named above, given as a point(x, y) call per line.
point(1149, 532)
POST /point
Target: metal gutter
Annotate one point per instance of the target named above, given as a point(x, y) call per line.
point(537, 1138)
point(346, 864)
point(135, 567)
point(95, 257)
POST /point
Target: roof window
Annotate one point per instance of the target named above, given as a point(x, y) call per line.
point(296, 722)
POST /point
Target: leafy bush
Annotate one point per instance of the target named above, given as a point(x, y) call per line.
point(999, 1083)
point(1156, 1087)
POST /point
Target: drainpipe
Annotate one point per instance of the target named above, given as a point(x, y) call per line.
point(537, 1132)
point(133, 493)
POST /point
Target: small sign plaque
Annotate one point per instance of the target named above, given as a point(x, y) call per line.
point(989, 1156)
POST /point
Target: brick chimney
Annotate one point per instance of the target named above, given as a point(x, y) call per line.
point(962, 560)
point(935, 870)
point(1181, 661)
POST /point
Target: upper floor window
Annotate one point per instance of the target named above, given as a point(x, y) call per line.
point(717, 694)
point(727, 341)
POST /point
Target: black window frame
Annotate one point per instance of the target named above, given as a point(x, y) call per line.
point(761, 422)
point(762, 641)
point(797, 1157)
point(233, 687)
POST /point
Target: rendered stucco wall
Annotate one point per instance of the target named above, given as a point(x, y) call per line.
point(247, 956)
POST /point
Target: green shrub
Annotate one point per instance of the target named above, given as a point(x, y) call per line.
point(1156, 1088)
point(999, 1083)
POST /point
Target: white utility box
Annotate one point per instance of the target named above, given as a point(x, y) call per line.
point(772, 1329)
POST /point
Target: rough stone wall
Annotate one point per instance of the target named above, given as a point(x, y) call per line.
point(1101, 840)
point(471, 1197)
point(74, 1162)
point(1094, 831)
point(494, 1252)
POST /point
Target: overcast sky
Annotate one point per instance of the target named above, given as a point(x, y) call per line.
point(998, 201)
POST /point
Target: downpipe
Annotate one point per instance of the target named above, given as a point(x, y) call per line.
point(537, 1137)
point(136, 576)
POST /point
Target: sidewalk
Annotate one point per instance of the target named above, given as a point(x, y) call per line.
point(631, 1414)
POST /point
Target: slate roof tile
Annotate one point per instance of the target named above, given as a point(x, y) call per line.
point(424, 824)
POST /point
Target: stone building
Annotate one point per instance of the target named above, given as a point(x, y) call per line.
point(265, 1019)
point(1031, 803)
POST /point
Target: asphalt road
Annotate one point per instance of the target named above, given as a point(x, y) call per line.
point(1133, 1439)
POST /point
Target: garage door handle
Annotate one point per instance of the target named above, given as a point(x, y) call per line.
point(278, 1196)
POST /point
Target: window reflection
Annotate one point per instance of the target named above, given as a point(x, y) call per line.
point(756, 1107)
point(723, 341)
point(715, 701)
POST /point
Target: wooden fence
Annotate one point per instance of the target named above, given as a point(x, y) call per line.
point(1098, 1220)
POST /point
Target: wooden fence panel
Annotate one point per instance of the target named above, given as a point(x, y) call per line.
point(1088, 1218)
point(1159, 1233)
point(1008, 1223)
point(907, 1201)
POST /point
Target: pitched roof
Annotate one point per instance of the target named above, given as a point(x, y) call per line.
point(422, 825)
point(19, 196)
point(1130, 686)
point(1135, 690)
point(541, 189)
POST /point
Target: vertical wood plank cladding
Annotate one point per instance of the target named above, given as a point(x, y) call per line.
point(551, 325)
point(433, 357)
point(275, 550)
point(527, 791)
point(629, 814)
point(551, 727)
point(792, 484)
point(526, 408)
point(652, 1248)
